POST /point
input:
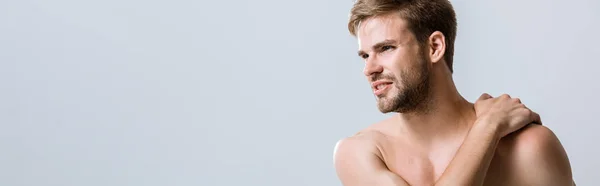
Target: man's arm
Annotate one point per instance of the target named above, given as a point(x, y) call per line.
point(357, 163)
point(540, 157)
point(472, 160)
point(358, 160)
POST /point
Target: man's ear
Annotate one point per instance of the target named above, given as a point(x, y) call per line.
point(437, 46)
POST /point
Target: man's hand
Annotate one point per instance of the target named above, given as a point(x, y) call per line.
point(506, 114)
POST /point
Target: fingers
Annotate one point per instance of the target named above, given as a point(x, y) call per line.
point(484, 96)
point(535, 118)
point(504, 96)
point(517, 100)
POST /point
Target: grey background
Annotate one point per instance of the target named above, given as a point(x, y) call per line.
point(258, 92)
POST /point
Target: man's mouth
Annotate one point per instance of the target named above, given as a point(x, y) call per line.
point(381, 87)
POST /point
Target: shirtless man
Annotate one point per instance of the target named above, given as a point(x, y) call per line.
point(437, 137)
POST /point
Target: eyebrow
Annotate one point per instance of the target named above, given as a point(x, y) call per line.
point(378, 45)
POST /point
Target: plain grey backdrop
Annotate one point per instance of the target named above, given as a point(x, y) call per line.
point(182, 92)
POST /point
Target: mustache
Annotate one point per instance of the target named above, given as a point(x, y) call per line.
point(377, 77)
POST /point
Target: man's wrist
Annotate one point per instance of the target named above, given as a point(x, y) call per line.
point(487, 126)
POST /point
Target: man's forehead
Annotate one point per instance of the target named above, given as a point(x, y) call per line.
point(377, 29)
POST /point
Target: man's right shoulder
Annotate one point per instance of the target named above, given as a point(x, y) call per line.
point(358, 161)
point(365, 141)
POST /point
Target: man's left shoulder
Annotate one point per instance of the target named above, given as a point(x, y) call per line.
point(533, 141)
point(536, 148)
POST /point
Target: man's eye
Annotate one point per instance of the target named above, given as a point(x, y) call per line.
point(385, 48)
point(365, 56)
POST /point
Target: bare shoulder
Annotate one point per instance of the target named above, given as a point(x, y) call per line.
point(532, 140)
point(365, 141)
point(536, 149)
point(358, 161)
point(535, 132)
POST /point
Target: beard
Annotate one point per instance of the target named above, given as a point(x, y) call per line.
point(409, 96)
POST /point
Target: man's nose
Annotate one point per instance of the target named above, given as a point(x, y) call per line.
point(372, 66)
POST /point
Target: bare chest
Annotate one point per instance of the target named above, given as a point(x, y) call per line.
point(418, 166)
point(415, 166)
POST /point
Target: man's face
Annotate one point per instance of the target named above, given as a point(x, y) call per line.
point(395, 65)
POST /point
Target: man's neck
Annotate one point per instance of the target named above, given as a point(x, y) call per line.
point(444, 116)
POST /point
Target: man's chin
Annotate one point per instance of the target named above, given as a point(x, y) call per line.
point(384, 107)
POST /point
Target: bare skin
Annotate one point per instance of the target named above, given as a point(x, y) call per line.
point(443, 140)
